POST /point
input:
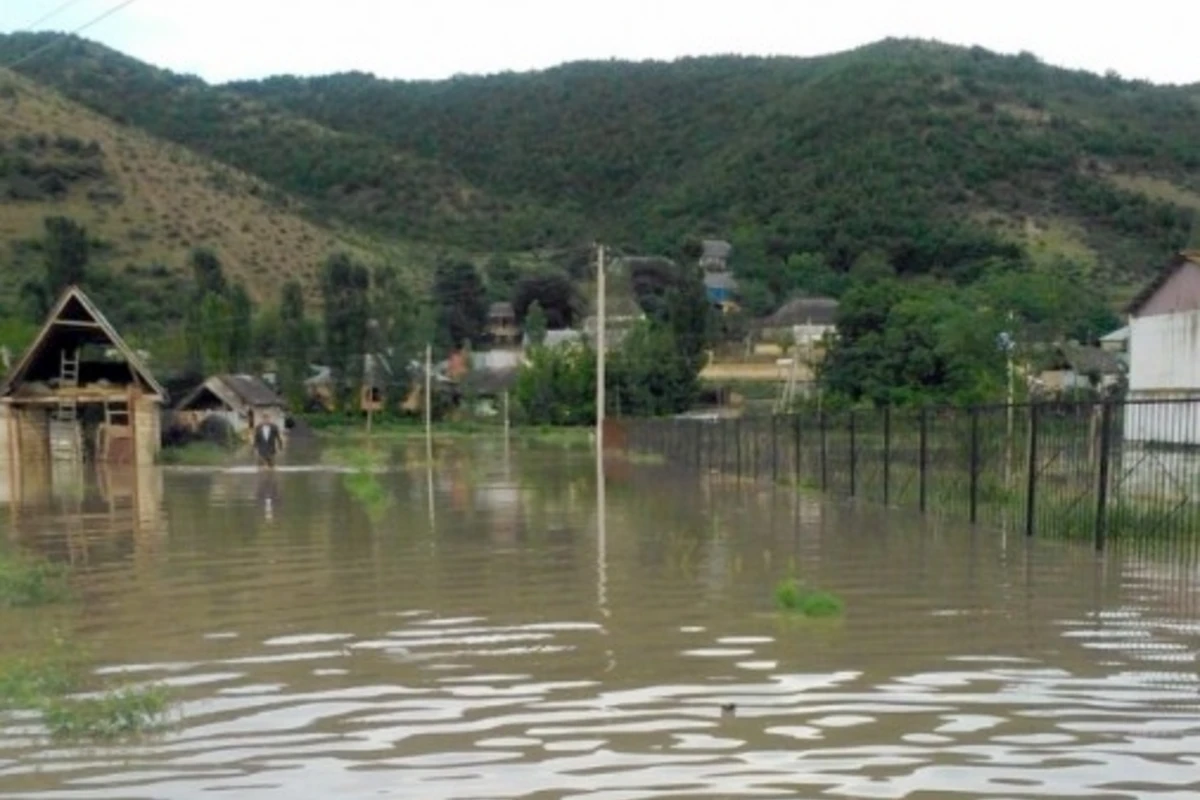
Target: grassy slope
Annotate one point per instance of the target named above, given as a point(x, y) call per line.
point(145, 201)
point(342, 174)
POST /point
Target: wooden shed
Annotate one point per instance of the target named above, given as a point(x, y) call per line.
point(79, 392)
point(241, 400)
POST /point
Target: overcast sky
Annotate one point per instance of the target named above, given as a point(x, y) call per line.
point(230, 39)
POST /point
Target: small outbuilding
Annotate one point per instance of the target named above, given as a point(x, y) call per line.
point(242, 401)
point(79, 392)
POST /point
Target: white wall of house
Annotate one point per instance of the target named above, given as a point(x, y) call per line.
point(809, 335)
point(1164, 364)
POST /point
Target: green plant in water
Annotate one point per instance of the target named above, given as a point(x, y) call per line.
point(196, 454)
point(26, 680)
point(26, 582)
point(112, 715)
point(792, 596)
point(44, 682)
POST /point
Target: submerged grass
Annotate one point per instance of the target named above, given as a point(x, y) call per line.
point(115, 714)
point(27, 679)
point(363, 484)
point(195, 454)
point(46, 681)
point(27, 582)
point(794, 597)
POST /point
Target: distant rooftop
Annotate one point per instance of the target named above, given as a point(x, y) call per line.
point(717, 249)
point(804, 311)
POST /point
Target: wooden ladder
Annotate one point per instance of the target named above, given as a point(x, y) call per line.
point(68, 378)
point(116, 427)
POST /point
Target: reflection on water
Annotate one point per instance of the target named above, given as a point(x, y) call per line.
point(522, 642)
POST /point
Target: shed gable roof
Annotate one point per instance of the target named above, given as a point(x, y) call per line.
point(234, 390)
point(76, 311)
point(1180, 260)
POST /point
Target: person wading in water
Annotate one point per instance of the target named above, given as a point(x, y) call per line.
point(267, 443)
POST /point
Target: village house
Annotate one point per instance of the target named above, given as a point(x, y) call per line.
point(79, 393)
point(376, 377)
point(1164, 356)
point(502, 327)
point(1075, 367)
point(242, 401)
point(719, 284)
point(721, 289)
point(714, 255)
point(802, 321)
point(1116, 342)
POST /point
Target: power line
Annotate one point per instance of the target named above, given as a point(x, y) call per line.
point(62, 38)
point(52, 13)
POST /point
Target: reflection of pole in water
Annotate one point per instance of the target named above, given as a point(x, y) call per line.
point(429, 493)
point(602, 553)
point(601, 538)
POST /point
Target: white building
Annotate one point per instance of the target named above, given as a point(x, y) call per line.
point(1164, 357)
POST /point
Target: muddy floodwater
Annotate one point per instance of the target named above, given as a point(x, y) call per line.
point(484, 633)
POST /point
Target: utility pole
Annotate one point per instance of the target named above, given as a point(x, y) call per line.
point(601, 342)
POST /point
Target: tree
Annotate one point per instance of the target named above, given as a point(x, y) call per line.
point(502, 278)
point(65, 252)
point(460, 303)
point(650, 377)
point(402, 324)
point(207, 272)
point(241, 327)
point(535, 323)
point(558, 386)
point(554, 293)
point(295, 340)
point(214, 322)
point(65, 245)
point(345, 288)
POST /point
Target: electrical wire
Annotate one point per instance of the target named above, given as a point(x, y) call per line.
point(49, 15)
point(64, 37)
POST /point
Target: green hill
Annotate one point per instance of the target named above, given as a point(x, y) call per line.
point(943, 158)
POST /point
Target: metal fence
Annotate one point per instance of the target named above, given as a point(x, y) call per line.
point(1095, 469)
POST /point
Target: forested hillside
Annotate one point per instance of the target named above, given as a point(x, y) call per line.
point(942, 159)
point(937, 155)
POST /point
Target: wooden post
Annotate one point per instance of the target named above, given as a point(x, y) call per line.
point(973, 500)
point(1032, 470)
point(1101, 530)
point(507, 423)
point(601, 341)
point(429, 405)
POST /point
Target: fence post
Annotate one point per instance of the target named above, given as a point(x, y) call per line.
point(796, 448)
point(974, 475)
point(721, 454)
point(1031, 466)
point(923, 460)
point(774, 448)
point(887, 454)
point(824, 455)
point(1102, 489)
point(737, 448)
point(853, 456)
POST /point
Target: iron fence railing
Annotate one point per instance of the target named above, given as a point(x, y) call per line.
point(1096, 469)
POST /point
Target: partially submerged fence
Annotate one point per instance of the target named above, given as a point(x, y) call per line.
point(1096, 469)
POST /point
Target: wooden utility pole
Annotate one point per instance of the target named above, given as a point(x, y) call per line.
point(601, 342)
